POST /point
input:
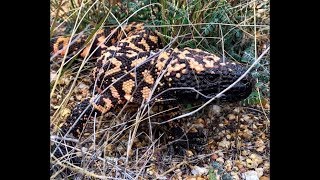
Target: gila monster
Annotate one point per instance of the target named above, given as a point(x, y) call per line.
point(133, 67)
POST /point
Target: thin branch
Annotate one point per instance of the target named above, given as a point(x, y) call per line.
point(218, 95)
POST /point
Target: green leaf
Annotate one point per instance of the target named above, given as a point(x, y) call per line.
point(212, 175)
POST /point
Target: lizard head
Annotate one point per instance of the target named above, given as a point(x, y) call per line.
point(196, 74)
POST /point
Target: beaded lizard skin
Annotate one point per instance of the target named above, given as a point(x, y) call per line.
point(132, 67)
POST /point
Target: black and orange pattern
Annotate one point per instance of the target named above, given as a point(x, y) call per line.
point(130, 64)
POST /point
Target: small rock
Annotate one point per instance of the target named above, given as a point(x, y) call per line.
point(254, 126)
point(79, 97)
point(220, 159)
point(259, 171)
point(214, 156)
point(250, 175)
point(53, 76)
point(266, 166)
point(235, 176)
point(151, 170)
point(220, 154)
point(244, 153)
point(83, 86)
point(84, 149)
point(256, 158)
point(193, 130)
point(228, 136)
point(235, 169)
point(189, 153)
point(264, 178)
point(231, 117)
point(245, 117)
point(228, 167)
point(224, 143)
point(54, 101)
point(250, 163)
point(236, 110)
point(65, 112)
point(200, 121)
point(259, 144)
point(55, 107)
point(196, 170)
point(216, 110)
point(239, 165)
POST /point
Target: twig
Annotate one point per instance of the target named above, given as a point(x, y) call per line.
point(81, 170)
point(173, 168)
point(218, 95)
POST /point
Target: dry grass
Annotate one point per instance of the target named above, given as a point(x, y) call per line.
point(129, 145)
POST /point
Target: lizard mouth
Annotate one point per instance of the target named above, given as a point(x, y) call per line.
point(240, 90)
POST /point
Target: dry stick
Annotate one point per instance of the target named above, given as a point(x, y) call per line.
point(72, 34)
point(90, 154)
point(173, 168)
point(132, 136)
point(257, 110)
point(148, 158)
point(149, 123)
point(243, 5)
point(247, 33)
point(120, 25)
point(152, 145)
point(65, 20)
point(57, 173)
point(114, 137)
point(201, 156)
point(94, 131)
point(225, 24)
point(67, 47)
point(72, 86)
point(81, 170)
point(107, 39)
point(222, 44)
point(84, 61)
point(81, 66)
point(143, 105)
point(255, 31)
point(53, 137)
point(202, 38)
point(255, 54)
point(218, 95)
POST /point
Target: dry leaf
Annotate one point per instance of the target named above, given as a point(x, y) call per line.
point(224, 143)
